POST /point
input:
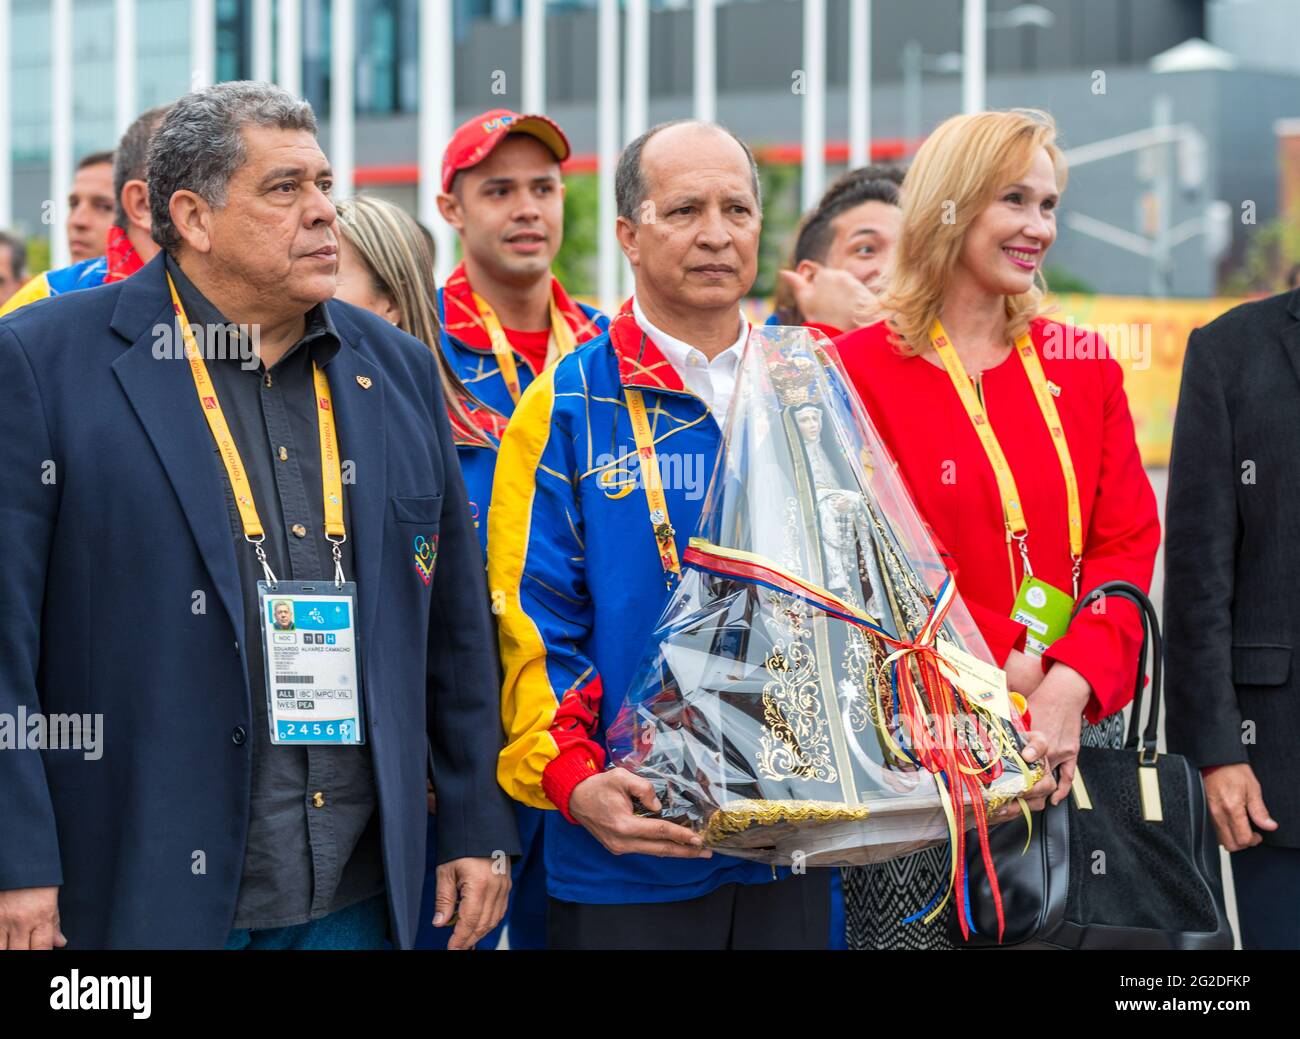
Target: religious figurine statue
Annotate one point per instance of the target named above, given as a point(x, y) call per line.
point(773, 705)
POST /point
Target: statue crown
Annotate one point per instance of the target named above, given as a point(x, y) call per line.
point(794, 380)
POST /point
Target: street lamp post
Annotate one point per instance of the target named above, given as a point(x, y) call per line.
point(6, 154)
point(859, 83)
point(915, 64)
point(814, 101)
point(1156, 141)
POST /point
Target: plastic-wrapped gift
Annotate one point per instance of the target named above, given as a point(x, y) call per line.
point(815, 690)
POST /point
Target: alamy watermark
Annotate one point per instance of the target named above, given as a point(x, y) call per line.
point(620, 475)
point(215, 342)
point(33, 730)
point(1083, 342)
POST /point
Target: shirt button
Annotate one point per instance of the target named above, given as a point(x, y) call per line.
point(299, 531)
point(284, 453)
point(238, 735)
point(318, 800)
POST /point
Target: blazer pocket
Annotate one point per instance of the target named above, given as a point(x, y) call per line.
point(1260, 665)
point(426, 509)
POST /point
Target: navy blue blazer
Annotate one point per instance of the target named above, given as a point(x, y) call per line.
point(112, 518)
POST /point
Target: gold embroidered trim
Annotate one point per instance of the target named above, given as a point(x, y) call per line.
point(739, 816)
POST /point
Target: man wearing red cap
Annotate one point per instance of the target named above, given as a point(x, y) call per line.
point(505, 316)
point(504, 319)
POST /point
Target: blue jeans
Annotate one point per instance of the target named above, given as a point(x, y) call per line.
point(360, 926)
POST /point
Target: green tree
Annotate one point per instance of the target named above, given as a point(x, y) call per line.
point(575, 265)
point(781, 214)
point(1273, 250)
point(38, 255)
point(1062, 281)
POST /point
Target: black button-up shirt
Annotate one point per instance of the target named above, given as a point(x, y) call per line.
point(313, 830)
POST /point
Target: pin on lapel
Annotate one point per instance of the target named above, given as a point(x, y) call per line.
point(364, 382)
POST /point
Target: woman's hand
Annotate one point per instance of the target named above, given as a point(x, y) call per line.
point(1056, 707)
point(1036, 797)
point(1024, 672)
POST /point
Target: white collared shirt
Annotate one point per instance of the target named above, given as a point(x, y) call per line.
point(711, 381)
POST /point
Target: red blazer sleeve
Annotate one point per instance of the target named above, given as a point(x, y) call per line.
point(1123, 536)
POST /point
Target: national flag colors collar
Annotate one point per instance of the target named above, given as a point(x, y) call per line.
point(464, 323)
point(640, 363)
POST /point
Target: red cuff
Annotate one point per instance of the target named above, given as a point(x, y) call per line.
point(1208, 769)
point(560, 777)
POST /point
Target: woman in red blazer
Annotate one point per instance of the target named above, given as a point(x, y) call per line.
point(960, 357)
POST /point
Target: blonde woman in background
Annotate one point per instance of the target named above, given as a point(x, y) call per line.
point(386, 265)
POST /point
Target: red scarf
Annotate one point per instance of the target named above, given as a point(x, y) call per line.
point(123, 260)
point(462, 320)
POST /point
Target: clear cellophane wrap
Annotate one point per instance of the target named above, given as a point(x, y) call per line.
point(815, 691)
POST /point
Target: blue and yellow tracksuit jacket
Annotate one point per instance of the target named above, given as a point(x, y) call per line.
point(119, 261)
point(84, 275)
point(575, 571)
point(468, 347)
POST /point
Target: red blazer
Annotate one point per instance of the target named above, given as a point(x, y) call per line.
point(921, 419)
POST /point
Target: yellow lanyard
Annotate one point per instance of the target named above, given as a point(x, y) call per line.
point(330, 465)
point(1013, 512)
point(654, 489)
point(561, 333)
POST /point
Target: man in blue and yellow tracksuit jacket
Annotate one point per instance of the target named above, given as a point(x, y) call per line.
point(579, 564)
point(504, 315)
point(121, 261)
point(130, 244)
point(575, 567)
point(503, 194)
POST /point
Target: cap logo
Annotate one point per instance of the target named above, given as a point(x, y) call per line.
point(501, 120)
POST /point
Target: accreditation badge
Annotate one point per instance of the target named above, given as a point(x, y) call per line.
point(1044, 610)
point(309, 650)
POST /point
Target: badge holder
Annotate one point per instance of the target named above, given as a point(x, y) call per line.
point(1042, 608)
point(309, 651)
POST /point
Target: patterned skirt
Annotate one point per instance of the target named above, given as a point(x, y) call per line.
point(878, 898)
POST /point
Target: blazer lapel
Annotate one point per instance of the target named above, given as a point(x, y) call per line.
point(161, 391)
point(357, 387)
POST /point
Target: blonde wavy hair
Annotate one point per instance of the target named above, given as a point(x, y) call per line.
point(398, 252)
point(955, 175)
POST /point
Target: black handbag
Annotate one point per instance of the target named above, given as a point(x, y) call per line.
point(1129, 860)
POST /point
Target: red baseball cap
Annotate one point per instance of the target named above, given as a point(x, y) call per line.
point(474, 140)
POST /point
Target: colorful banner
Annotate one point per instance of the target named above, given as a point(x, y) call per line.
point(1148, 338)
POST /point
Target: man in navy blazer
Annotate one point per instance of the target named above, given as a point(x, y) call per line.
point(124, 587)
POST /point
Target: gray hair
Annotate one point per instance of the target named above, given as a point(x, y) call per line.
point(131, 160)
point(629, 179)
point(199, 145)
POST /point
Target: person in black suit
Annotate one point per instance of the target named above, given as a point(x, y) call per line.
point(1232, 550)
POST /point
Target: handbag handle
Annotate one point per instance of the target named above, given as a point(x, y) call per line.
point(1151, 639)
